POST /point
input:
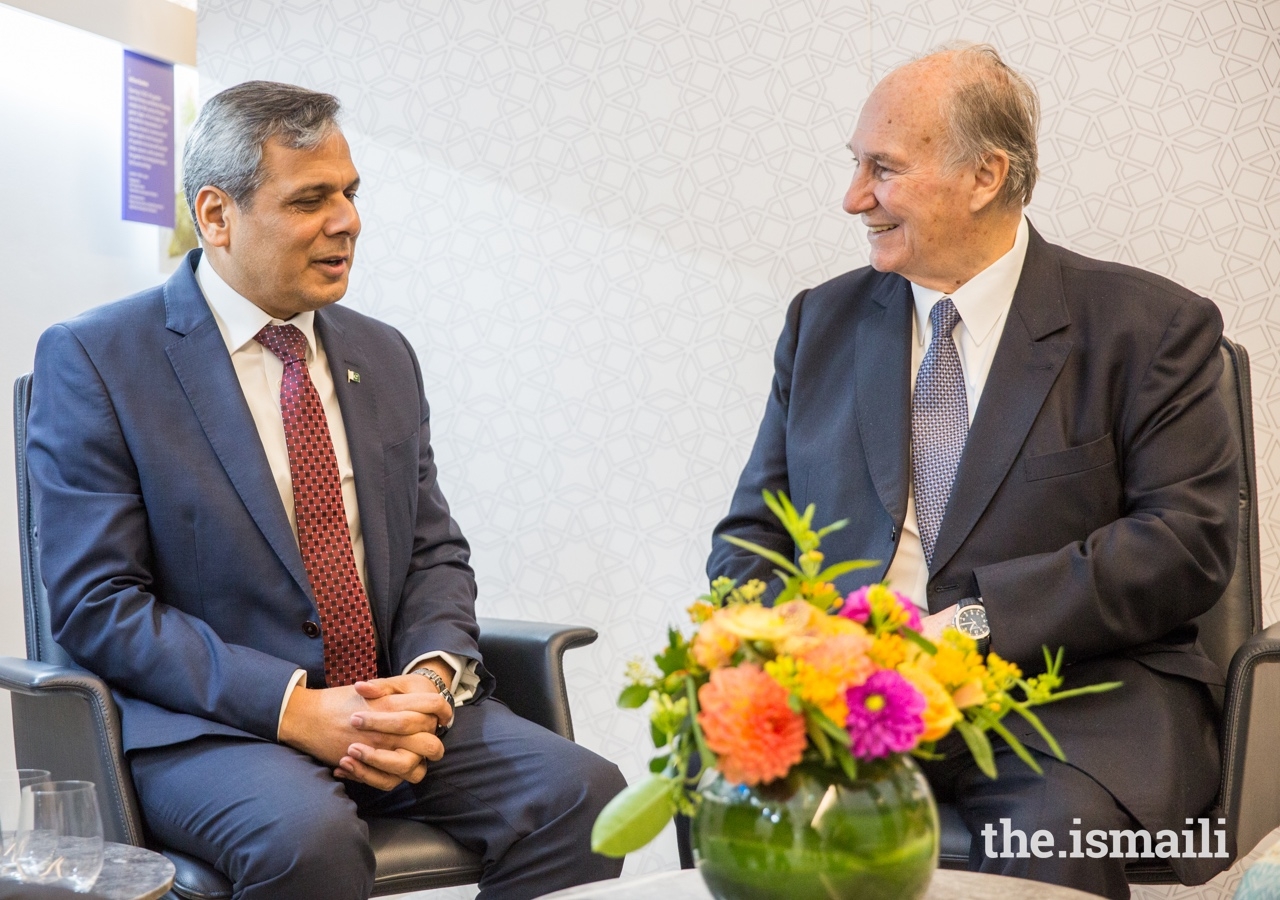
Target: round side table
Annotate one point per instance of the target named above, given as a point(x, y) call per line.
point(947, 884)
point(133, 873)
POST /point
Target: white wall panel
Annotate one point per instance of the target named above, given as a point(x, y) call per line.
point(588, 218)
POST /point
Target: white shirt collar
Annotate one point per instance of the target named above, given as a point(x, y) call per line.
point(238, 318)
point(983, 299)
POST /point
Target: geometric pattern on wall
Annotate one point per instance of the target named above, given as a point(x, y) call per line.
point(588, 218)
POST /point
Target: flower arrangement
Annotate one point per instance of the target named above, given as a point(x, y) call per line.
point(814, 678)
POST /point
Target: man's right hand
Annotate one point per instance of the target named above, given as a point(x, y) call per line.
point(322, 724)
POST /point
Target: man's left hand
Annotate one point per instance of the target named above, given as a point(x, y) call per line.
point(931, 626)
point(396, 707)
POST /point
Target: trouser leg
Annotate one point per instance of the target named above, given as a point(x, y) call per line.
point(1021, 803)
point(522, 797)
point(273, 820)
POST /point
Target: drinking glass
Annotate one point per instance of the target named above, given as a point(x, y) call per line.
point(12, 781)
point(60, 834)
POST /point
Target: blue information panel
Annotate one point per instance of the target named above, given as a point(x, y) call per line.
point(147, 158)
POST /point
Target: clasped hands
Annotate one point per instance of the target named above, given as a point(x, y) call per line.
point(379, 732)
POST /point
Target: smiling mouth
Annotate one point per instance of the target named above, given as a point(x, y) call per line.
point(881, 229)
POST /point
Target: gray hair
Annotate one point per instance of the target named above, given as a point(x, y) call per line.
point(224, 147)
point(992, 107)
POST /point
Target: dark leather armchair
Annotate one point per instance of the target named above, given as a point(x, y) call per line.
point(65, 720)
point(1232, 634)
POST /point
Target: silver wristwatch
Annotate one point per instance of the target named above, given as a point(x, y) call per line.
point(971, 619)
point(441, 728)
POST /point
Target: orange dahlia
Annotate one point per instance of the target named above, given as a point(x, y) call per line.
point(748, 724)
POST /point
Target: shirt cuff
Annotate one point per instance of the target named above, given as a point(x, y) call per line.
point(465, 679)
point(299, 678)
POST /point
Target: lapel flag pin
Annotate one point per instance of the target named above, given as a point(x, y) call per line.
point(353, 375)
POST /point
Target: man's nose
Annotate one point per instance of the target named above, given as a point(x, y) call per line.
point(346, 220)
point(858, 198)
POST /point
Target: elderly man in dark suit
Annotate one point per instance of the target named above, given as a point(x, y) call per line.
point(1032, 445)
point(242, 532)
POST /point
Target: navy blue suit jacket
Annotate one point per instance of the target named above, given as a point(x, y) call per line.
point(170, 565)
point(1094, 507)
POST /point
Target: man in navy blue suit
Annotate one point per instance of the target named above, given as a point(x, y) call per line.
point(1025, 434)
point(242, 532)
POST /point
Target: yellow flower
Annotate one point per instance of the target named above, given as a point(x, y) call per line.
point(714, 646)
point(889, 650)
point(1001, 674)
point(749, 622)
point(830, 667)
point(940, 712)
point(700, 611)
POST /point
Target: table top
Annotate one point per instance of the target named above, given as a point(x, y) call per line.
point(132, 873)
point(947, 884)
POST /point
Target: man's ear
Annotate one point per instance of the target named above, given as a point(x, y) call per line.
point(988, 179)
point(215, 212)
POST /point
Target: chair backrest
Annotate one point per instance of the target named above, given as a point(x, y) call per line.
point(1238, 614)
point(35, 603)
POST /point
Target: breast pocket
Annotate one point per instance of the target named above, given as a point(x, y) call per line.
point(1093, 455)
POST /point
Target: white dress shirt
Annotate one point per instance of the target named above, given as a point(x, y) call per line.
point(983, 303)
point(260, 372)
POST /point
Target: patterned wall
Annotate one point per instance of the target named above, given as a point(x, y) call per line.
point(588, 217)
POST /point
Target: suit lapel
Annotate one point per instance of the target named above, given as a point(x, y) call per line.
point(203, 368)
point(882, 379)
point(358, 400)
point(1022, 373)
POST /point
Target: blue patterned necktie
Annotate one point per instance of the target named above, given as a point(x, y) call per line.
point(939, 425)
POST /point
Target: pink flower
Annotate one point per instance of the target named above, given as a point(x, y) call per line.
point(892, 610)
point(857, 606)
point(886, 715)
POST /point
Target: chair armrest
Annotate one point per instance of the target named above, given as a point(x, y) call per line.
point(527, 659)
point(65, 720)
point(1249, 796)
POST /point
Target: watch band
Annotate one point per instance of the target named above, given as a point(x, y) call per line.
point(441, 728)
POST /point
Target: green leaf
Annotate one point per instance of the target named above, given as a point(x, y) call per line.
point(634, 817)
point(658, 763)
point(819, 739)
point(830, 573)
point(704, 752)
point(848, 763)
point(776, 558)
point(633, 696)
point(1016, 746)
point(834, 526)
point(1049, 739)
point(979, 746)
point(676, 654)
point(1100, 688)
point(919, 640)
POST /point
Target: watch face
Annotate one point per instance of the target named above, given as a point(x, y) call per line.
point(972, 620)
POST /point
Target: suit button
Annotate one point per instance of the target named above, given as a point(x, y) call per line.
point(311, 629)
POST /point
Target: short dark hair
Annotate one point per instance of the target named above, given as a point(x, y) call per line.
point(224, 147)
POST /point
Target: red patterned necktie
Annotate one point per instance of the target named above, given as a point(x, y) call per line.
point(350, 646)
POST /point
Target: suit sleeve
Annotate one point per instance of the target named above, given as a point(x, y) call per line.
point(436, 610)
point(1169, 557)
point(96, 560)
point(766, 469)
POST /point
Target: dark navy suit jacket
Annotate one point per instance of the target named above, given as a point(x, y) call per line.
point(1094, 507)
point(170, 565)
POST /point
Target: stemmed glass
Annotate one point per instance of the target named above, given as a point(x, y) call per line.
point(60, 834)
point(12, 781)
